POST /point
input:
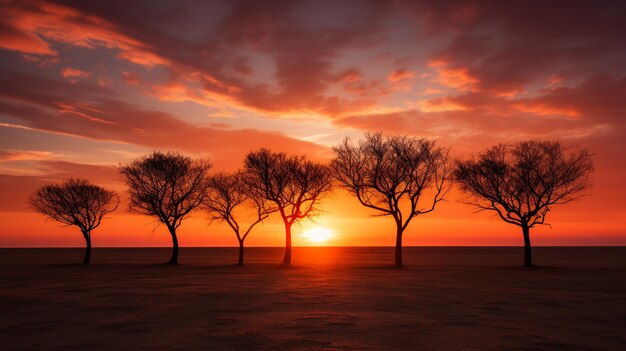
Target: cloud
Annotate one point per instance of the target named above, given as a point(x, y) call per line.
point(32, 27)
point(69, 72)
point(506, 47)
point(12, 38)
point(222, 63)
point(438, 105)
point(541, 109)
point(599, 99)
point(88, 110)
point(454, 77)
point(282, 58)
point(23, 155)
point(401, 74)
point(595, 108)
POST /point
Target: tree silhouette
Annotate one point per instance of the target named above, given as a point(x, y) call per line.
point(228, 194)
point(167, 186)
point(394, 175)
point(76, 202)
point(521, 182)
point(293, 184)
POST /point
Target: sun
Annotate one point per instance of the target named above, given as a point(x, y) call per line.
point(318, 234)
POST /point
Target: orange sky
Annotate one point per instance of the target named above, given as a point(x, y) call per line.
point(85, 86)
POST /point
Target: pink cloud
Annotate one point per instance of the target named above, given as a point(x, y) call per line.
point(90, 111)
point(303, 56)
point(13, 39)
point(438, 105)
point(479, 48)
point(454, 77)
point(541, 109)
point(594, 107)
point(401, 74)
point(32, 27)
point(69, 72)
point(23, 155)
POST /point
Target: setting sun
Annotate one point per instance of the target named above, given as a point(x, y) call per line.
point(318, 234)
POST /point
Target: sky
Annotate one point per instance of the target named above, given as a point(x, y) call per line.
point(88, 86)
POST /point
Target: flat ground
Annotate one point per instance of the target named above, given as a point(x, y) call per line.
point(330, 299)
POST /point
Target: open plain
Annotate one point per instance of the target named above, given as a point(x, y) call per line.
point(331, 298)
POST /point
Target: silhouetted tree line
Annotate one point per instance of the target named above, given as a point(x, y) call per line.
point(398, 176)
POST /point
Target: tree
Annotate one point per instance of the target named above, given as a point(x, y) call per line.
point(228, 194)
point(167, 186)
point(522, 181)
point(398, 176)
point(76, 202)
point(293, 184)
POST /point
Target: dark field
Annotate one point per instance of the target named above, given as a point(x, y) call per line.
point(330, 299)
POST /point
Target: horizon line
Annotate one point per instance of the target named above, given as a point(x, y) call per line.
point(301, 246)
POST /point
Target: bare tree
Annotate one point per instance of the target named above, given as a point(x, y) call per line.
point(293, 184)
point(76, 202)
point(398, 176)
point(521, 182)
point(167, 186)
point(228, 195)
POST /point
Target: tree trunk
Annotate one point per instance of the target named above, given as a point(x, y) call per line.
point(399, 263)
point(287, 259)
point(240, 263)
point(528, 257)
point(174, 259)
point(87, 258)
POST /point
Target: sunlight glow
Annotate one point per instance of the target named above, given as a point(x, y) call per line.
point(318, 234)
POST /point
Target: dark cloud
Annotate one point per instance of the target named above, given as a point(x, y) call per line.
point(491, 47)
point(507, 45)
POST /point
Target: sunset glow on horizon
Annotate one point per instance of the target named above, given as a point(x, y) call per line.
point(86, 87)
point(318, 234)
